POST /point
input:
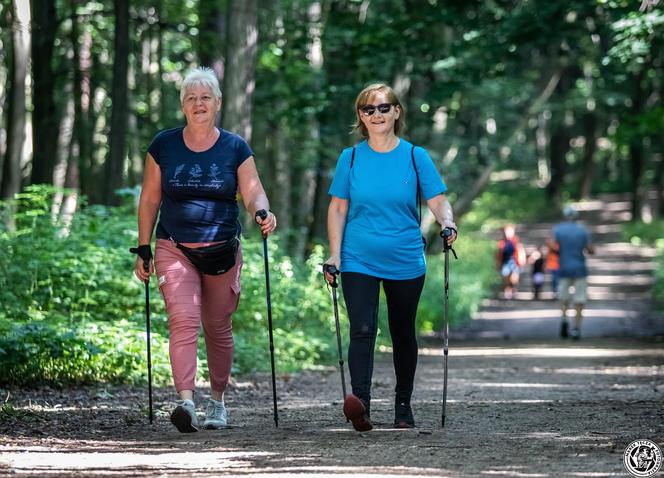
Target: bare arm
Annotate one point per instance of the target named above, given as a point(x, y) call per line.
point(253, 195)
point(442, 211)
point(148, 207)
point(336, 223)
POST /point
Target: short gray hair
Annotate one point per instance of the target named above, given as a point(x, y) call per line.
point(201, 76)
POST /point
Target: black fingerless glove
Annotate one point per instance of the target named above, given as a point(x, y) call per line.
point(144, 252)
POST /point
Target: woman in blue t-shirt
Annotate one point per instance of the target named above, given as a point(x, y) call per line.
point(192, 175)
point(374, 233)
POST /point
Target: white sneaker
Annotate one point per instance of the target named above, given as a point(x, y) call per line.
point(184, 416)
point(216, 415)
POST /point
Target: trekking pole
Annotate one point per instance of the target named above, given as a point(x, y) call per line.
point(263, 215)
point(445, 234)
point(334, 272)
point(146, 267)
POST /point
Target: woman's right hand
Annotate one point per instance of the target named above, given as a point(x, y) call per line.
point(143, 257)
point(139, 270)
point(332, 261)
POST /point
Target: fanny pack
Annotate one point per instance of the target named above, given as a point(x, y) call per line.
point(212, 260)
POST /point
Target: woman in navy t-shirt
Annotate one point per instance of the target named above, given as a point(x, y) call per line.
point(192, 175)
point(375, 237)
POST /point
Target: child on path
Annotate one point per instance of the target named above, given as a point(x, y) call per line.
point(552, 264)
point(536, 259)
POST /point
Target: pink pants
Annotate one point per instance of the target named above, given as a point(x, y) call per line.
point(191, 298)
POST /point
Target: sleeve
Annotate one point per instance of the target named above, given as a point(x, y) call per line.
point(340, 186)
point(431, 184)
point(242, 151)
point(155, 147)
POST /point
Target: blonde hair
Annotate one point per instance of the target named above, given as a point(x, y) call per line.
point(201, 76)
point(363, 99)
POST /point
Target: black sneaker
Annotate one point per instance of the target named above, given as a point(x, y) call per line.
point(357, 411)
point(564, 333)
point(403, 415)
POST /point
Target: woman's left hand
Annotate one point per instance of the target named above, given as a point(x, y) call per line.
point(269, 224)
point(453, 227)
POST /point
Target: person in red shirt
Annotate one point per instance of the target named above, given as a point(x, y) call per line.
point(510, 258)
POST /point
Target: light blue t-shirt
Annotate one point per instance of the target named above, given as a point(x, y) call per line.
point(382, 235)
point(572, 238)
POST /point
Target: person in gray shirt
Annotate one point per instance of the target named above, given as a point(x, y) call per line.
point(574, 242)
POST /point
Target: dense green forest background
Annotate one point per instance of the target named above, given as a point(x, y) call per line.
point(542, 102)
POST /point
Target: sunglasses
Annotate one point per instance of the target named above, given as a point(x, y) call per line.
point(382, 108)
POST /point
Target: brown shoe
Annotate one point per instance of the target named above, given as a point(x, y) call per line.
point(356, 412)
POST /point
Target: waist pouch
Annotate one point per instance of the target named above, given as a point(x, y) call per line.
point(212, 260)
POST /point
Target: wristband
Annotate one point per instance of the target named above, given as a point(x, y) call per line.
point(144, 252)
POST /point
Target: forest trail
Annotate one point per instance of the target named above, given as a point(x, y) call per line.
point(619, 286)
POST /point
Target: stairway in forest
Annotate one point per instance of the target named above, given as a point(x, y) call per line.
point(619, 285)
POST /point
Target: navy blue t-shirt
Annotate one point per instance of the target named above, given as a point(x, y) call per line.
point(198, 189)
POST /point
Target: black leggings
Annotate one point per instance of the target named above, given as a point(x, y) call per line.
point(361, 294)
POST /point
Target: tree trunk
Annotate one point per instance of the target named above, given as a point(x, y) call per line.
point(64, 151)
point(588, 161)
point(82, 148)
point(283, 181)
point(5, 58)
point(115, 163)
point(239, 78)
point(558, 163)
point(658, 180)
point(45, 116)
point(560, 138)
point(212, 36)
point(303, 213)
point(636, 159)
point(11, 169)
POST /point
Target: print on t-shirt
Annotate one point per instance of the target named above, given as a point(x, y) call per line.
point(196, 179)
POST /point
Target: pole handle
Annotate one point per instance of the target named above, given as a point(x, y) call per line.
point(262, 215)
point(333, 271)
point(446, 233)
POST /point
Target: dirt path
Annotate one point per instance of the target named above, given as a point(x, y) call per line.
point(524, 407)
point(536, 409)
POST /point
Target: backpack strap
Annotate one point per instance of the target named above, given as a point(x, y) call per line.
point(417, 177)
point(352, 158)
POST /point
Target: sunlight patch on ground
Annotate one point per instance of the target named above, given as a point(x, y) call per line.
point(543, 351)
point(513, 472)
point(520, 385)
point(652, 371)
point(111, 464)
point(118, 461)
point(530, 314)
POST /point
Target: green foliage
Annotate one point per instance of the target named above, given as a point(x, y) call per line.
point(470, 279)
point(638, 232)
point(72, 312)
point(651, 234)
